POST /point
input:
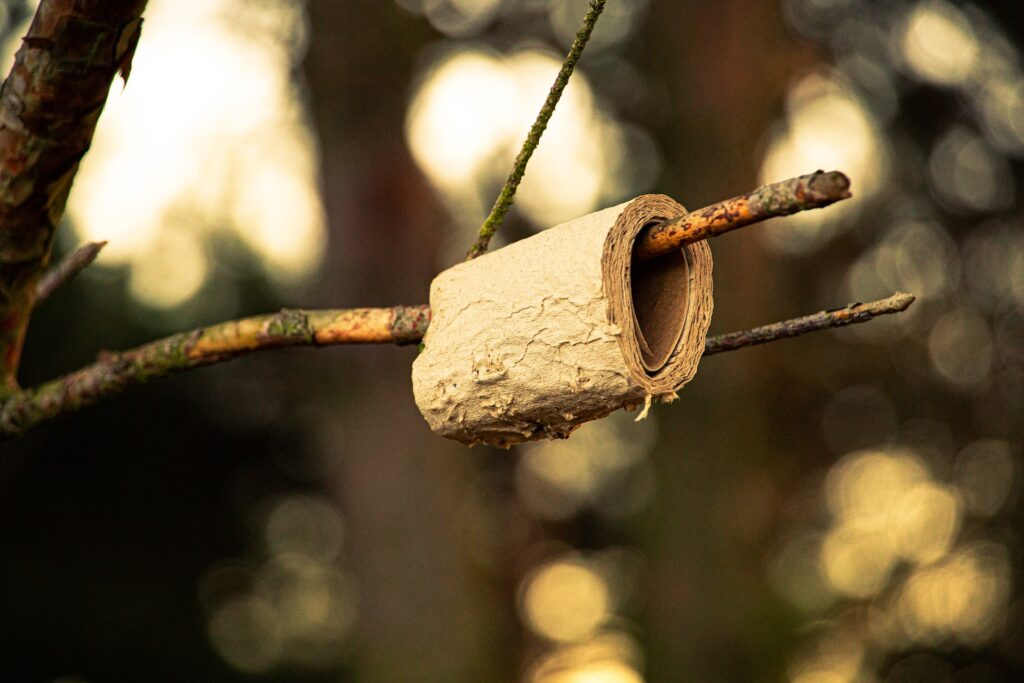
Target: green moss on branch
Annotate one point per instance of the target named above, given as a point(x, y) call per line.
point(505, 198)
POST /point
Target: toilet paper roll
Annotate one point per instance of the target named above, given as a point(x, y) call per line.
point(532, 340)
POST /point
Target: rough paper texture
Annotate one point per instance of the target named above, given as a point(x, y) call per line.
point(534, 339)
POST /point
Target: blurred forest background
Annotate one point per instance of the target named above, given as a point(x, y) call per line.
point(841, 507)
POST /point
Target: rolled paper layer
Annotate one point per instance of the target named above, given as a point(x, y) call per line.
point(532, 340)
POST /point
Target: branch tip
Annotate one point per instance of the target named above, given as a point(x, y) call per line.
point(850, 314)
point(812, 191)
point(65, 271)
point(833, 185)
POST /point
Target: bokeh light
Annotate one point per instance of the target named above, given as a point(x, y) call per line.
point(566, 600)
point(455, 18)
point(960, 347)
point(960, 598)
point(571, 601)
point(459, 117)
point(894, 544)
point(827, 127)
point(994, 265)
point(857, 560)
point(470, 114)
point(618, 21)
point(938, 43)
point(1001, 100)
point(837, 657)
point(886, 508)
point(558, 479)
point(867, 485)
point(296, 606)
point(795, 572)
point(208, 134)
point(987, 476)
point(246, 634)
point(608, 657)
point(306, 526)
point(916, 256)
point(967, 174)
point(169, 269)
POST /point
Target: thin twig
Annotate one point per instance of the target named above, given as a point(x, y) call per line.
point(823, 320)
point(504, 201)
point(116, 372)
point(70, 266)
point(812, 191)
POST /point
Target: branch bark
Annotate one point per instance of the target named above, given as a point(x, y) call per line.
point(849, 314)
point(65, 271)
point(49, 105)
point(812, 191)
point(116, 372)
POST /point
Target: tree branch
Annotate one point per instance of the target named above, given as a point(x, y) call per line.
point(812, 191)
point(49, 105)
point(504, 201)
point(65, 271)
point(849, 314)
point(113, 373)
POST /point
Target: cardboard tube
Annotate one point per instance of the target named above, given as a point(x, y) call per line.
point(533, 340)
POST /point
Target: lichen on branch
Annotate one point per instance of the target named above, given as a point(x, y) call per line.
point(115, 372)
point(812, 191)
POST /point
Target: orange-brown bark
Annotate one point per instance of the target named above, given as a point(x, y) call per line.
point(115, 372)
point(784, 198)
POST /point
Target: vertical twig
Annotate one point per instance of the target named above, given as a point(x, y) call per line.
point(504, 201)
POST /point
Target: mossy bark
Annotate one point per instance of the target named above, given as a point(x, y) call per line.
point(115, 372)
